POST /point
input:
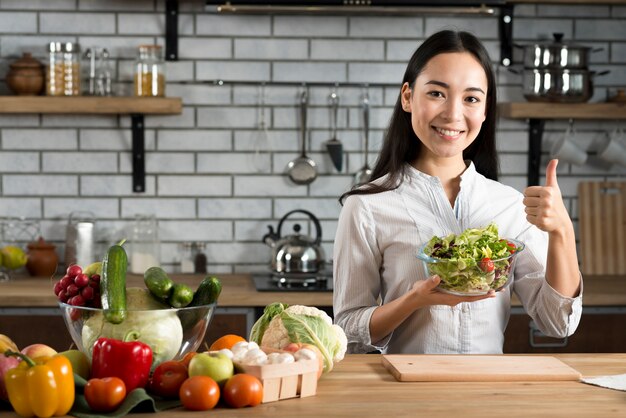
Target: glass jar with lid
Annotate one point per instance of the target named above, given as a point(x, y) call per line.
point(150, 72)
point(63, 69)
point(144, 244)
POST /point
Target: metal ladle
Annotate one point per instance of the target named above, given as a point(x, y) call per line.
point(302, 170)
point(365, 173)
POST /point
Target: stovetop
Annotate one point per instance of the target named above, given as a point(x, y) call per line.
point(300, 282)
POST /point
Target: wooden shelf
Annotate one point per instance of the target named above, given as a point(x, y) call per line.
point(582, 2)
point(535, 110)
point(91, 105)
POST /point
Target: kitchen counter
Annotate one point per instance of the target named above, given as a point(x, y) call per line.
point(360, 386)
point(239, 291)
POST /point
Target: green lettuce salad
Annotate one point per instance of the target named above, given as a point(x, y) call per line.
point(471, 263)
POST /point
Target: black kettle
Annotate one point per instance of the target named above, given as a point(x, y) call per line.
point(296, 253)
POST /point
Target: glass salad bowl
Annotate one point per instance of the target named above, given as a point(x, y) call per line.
point(170, 332)
point(471, 276)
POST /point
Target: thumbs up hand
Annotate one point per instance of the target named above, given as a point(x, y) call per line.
point(544, 204)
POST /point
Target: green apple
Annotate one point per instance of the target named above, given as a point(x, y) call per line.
point(213, 364)
point(80, 363)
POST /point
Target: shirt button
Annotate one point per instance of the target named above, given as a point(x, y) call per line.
point(465, 309)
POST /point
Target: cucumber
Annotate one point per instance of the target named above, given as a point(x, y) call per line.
point(208, 291)
point(113, 284)
point(181, 296)
point(158, 282)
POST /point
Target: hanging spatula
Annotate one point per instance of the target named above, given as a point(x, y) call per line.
point(333, 145)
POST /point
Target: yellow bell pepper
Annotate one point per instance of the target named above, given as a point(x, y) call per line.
point(42, 387)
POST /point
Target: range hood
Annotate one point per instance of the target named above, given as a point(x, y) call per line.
point(353, 7)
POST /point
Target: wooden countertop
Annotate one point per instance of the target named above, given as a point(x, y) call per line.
point(239, 291)
point(360, 386)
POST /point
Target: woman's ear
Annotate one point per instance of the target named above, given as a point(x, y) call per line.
point(405, 97)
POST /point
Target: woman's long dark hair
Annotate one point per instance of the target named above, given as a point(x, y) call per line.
point(401, 145)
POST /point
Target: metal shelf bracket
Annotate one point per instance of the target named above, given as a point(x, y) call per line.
point(139, 163)
point(535, 134)
point(505, 27)
point(171, 30)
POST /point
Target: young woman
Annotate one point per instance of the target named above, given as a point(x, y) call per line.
point(436, 175)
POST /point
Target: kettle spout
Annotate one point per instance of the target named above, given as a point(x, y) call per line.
point(271, 237)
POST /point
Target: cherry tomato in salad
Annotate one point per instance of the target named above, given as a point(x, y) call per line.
point(243, 390)
point(168, 378)
point(486, 265)
point(199, 393)
point(512, 247)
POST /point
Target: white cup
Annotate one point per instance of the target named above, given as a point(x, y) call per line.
point(566, 150)
point(612, 149)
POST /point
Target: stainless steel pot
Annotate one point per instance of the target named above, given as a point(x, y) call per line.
point(557, 54)
point(296, 253)
point(555, 85)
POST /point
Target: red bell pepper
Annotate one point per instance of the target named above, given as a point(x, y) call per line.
point(128, 360)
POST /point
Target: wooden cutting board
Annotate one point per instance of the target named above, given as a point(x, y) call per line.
point(476, 368)
point(602, 227)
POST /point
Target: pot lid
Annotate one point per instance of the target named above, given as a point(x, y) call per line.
point(558, 42)
point(27, 61)
point(40, 244)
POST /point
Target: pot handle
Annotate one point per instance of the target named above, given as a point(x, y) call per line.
point(316, 222)
point(597, 49)
point(605, 72)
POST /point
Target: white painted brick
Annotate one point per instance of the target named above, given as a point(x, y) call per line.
point(232, 70)
point(19, 162)
point(391, 95)
point(194, 94)
point(194, 186)
point(344, 50)
point(600, 29)
point(158, 162)
point(38, 4)
point(118, 46)
point(482, 27)
point(375, 72)
point(78, 23)
point(310, 26)
point(204, 48)
point(18, 22)
point(274, 95)
point(511, 164)
point(116, 5)
point(240, 25)
point(252, 230)
point(279, 140)
point(162, 208)
point(26, 207)
point(329, 229)
point(536, 29)
point(285, 49)
point(317, 117)
point(619, 11)
point(117, 185)
point(310, 71)
point(194, 140)
point(235, 208)
point(618, 52)
point(112, 140)
point(237, 252)
point(387, 27)
point(184, 120)
point(226, 117)
point(233, 163)
point(519, 183)
point(84, 162)
point(401, 50)
point(36, 139)
point(179, 70)
point(512, 141)
point(61, 208)
point(572, 11)
point(196, 230)
point(39, 185)
point(322, 208)
point(379, 118)
point(37, 45)
point(331, 186)
point(65, 121)
point(262, 186)
point(19, 120)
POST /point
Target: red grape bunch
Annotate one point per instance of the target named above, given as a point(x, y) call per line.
point(78, 289)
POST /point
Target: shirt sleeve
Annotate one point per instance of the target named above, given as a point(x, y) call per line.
point(554, 314)
point(356, 274)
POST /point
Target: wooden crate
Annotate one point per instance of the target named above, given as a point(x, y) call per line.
point(285, 381)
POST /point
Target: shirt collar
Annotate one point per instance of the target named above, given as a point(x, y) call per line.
point(414, 174)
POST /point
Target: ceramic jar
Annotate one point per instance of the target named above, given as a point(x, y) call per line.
point(42, 258)
point(26, 76)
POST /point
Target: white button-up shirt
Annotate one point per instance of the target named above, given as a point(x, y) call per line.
point(375, 262)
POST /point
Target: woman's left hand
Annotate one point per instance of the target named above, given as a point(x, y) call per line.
point(544, 204)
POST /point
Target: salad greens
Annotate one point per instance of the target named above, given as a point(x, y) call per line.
point(472, 262)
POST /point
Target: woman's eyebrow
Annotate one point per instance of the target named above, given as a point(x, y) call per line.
point(447, 86)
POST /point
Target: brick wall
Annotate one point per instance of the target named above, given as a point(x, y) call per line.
point(204, 180)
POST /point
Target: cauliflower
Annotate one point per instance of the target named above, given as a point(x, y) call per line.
point(281, 325)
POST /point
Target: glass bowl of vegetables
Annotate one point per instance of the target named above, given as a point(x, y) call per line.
point(471, 263)
point(170, 332)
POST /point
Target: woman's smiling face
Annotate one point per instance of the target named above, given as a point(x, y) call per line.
point(447, 104)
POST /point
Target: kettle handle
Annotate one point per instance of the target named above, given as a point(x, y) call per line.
point(316, 222)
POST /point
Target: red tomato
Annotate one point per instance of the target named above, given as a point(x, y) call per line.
point(167, 378)
point(486, 265)
point(512, 247)
point(199, 393)
point(243, 390)
point(105, 395)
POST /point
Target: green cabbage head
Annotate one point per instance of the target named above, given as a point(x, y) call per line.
point(147, 320)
